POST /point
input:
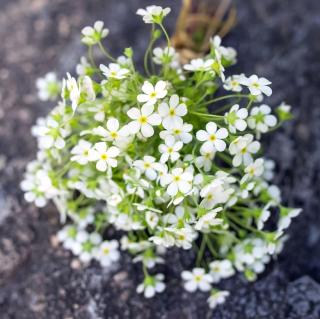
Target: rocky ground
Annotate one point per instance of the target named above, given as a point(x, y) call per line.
point(276, 39)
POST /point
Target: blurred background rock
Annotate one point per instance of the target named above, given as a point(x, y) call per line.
point(276, 39)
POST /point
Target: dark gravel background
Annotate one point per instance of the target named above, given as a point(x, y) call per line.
point(276, 39)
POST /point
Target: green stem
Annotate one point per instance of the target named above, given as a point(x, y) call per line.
point(210, 246)
point(146, 55)
point(90, 55)
point(105, 52)
point(230, 96)
point(201, 251)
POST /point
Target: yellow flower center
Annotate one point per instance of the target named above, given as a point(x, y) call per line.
point(143, 119)
point(172, 112)
point(153, 94)
point(177, 178)
point(114, 134)
point(104, 156)
point(106, 251)
point(212, 138)
point(198, 278)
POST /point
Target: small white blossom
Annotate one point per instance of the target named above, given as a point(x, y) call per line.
point(196, 280)
point(168, 55)
point(108, 253)
point(114, 71)
point(178, 180)
point(235, 118)
point(257, 85)
point(214, 194)
point(217, 298)
point(208, 220)
point(205, 161)
point(38, 188)
point(153, 14)
point(180, 131)
point(242, 148)
point(229, 53)
point(152, 285)
point(213, 137)
point(143, 120)
point(84, 67)
point(170, 150)
point(81, 152)
point(232, 83)
point(261, 118)
point(198, 65)
point(105, 157)
point(152, 219)
point(172, 112)
point(151, 94)
point(113, 131)
point(221, 269)
point(148, 166)
point(48, 87)
point(93, 35)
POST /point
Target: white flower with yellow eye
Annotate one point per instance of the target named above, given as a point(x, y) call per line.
point(93, 35)
point(170, 150)
point(143, 120)
point(153, 14)
point(151, 94)
point(114, 71)
point(105, 157)
point(213, 137)
point(171, 113)
point(196, 280)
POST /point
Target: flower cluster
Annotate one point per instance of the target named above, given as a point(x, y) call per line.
point(143, 155)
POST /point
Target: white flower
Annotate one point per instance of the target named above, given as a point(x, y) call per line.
point(151, 94)
point(208, 220)
point(170, 150)
point(257, 85)
point(205, 161)
point(38, 188)
point(84, 67)
point(167, 55)
point(173, 112)
point(197, 279)
point(214, 194)
point(198, 65)
point(180, 217)
point(104, 156)
point(48, 87)
point(233, 83)
point(113, 131)
point(178, 180)
point(148, 166)
point(286, 215)
point(93, 35)
point(217, 298)
point(235, 118)
point(229, 54)
point(153, 14)
point(261, 119)
point(152, 285)
point(50, 134)
point(81, 152)
point(213, 137)
point(108, 253)
point(143, 120)
point(114, 71)
point(221, 269)
point(152, 219)
point(242, 148)
point(71, 89)
point(269, 166)
point(254, 169)
point(264, 216)
point(180, 131)
point(183, 236)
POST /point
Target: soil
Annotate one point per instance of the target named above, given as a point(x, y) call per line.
point(38, 279)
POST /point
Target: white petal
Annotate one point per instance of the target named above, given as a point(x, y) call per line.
point(147, 130)
point(134, 113)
